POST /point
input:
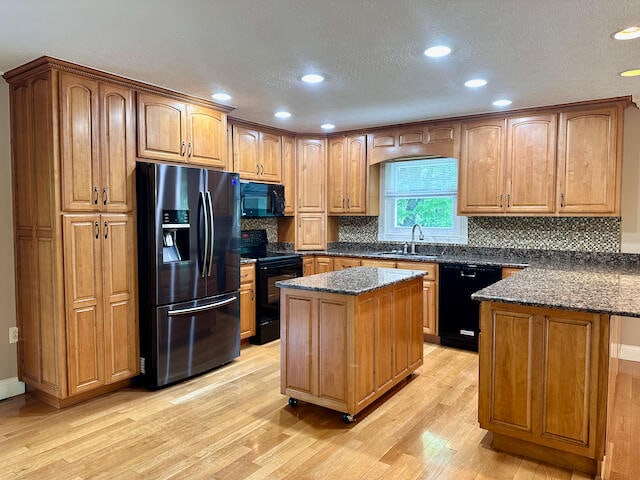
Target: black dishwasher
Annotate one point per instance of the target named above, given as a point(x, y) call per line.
point(459, 317)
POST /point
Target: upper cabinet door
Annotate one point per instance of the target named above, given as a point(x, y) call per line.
point(289, 174)
point(117, 149)
point(206, 142)
point(589, 163)
point(337, 172)
point(531, 164)
point(356, 178)
point(481, 185)
point(162, 128)
point(270, 157)
point(246, 152)
point(311, 173)
point(79, 140)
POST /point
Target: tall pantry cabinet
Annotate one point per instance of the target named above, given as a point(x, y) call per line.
point(73, 154)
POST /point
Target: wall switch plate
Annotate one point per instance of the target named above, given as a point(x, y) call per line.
point(13, 334)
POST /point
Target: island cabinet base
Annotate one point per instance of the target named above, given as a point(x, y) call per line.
point(543, 383)
point(345, 351)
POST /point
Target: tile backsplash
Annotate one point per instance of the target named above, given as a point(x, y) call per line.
point(268, 224)
point(582, 234)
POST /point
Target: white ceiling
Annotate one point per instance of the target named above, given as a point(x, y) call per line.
point(536, 52)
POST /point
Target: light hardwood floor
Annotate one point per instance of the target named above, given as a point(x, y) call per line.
point(233, 423)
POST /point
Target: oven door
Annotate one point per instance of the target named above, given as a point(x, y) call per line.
point(268, 295)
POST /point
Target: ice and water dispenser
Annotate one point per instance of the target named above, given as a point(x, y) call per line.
point(175, 236)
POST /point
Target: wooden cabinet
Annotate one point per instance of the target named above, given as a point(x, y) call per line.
point(98, 149)
point(508, 271)
point(341, 263)
point(311, 231)
point(173, 130)
point(508, 166)
point(100, 293)
point(430, 139)
point(257, 155)
point(429, 294)
point(247, 300)
point(308, 266)
point(323, 264)
point(589, 161)
point(347, 167)
point(542, 374)
point(73, 158)
point(368, 262)
point(289, 174)
point(311, 175)
point(344, 351)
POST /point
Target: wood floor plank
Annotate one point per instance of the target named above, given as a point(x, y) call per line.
point(233, 423)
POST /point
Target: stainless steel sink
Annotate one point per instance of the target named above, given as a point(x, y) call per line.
point(407, 255)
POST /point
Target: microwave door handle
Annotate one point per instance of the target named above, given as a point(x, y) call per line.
point(212, 235)
point(206, 234)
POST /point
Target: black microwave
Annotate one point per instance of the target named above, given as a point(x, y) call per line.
point(261, 200)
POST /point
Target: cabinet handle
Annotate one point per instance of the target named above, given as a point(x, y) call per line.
point(97, 227)
point(500, 200)
point(95, 195)
point(343, 203)
point(257, 169)
point(348, 203)
point(562, 199)
point(106, 229)
point(104, 196)
point(253, 297)
point(182, 149)
point(261, 169)
point(509, 201)
point(189, 152)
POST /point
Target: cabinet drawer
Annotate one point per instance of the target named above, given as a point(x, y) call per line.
point(247, 273)
point(431, 269)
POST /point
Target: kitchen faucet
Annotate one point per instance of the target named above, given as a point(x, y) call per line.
point(413, 242)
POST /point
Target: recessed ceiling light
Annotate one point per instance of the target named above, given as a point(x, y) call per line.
point(327, 126)
point(630, 73)
point(312, 78)
point(221, 96)
point(503, 102)
point(627, 33)
point(282, 114)
point(437, 51)
point(475, 83)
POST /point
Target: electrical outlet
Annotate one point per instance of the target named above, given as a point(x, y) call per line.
point(13, 334)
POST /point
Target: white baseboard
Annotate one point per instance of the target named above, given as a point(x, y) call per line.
point(630, 352)
point(10, 387)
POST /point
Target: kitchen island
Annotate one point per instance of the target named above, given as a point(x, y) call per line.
point(347, 337)
point(548, 361)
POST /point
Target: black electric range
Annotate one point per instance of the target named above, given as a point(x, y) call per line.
point(270, 267)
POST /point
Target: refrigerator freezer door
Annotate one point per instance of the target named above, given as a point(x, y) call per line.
point(193, 337)
point(223, 199)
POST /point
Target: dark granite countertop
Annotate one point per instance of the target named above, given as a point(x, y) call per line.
point(352, 281)
point(247, 260)
point(612, 290)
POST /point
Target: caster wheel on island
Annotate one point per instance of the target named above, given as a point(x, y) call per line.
point(293, 402)
point(346, 418)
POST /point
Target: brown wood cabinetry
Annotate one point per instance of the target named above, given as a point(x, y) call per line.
point(289, 174)
point(589, 160)
point(347, 169)
point(508, 271)
point(308, 266)
point(432, 139)
point(98, 146)
point(343, 351)
point(368, 262)
point(429, 294)
point(542, 378)
point(247, 300)
point(173, 130)
point(340, 263)
point(257, 155)
point(515, 158)
point(323, 264)
point(311, 175)
point(73, 158)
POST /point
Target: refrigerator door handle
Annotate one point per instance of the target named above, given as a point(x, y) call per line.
point(206, 235)
point(212, 231)
point(202, 308)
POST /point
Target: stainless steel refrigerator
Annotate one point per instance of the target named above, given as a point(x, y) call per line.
point(188, 270)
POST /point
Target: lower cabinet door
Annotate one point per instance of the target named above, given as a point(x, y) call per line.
point(247, 310)
point(83, 286)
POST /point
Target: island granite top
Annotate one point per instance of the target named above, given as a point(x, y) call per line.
point(591, 290)
point(351, 281)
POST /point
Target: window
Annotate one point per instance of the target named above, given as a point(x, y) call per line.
point(425, 192)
